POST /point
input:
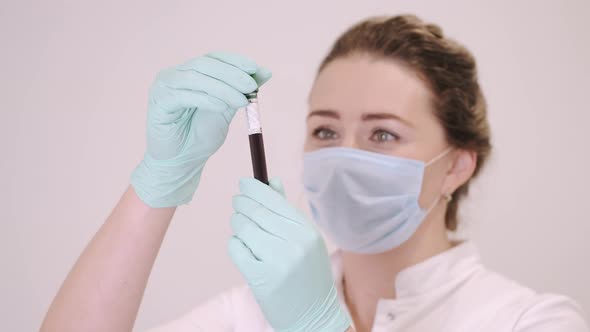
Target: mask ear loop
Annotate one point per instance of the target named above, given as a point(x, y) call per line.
point(432, 205)
point(439, 157)
point(448, 197)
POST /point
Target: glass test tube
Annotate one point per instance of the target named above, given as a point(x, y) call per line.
point(255, 137)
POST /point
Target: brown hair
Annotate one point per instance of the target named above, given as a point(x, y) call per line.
point(448, 69)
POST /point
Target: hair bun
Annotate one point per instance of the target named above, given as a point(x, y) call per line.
point(435, 30)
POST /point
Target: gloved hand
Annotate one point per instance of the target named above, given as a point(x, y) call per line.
point(284, 260)
point(190, 108)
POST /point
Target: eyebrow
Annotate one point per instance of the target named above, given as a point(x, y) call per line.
point(326, 113)
point(364, 117)
point(384, 116)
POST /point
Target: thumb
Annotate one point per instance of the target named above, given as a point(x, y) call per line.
point(277, 186)
point(261, 76)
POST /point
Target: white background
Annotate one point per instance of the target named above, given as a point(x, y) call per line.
point(74, 77)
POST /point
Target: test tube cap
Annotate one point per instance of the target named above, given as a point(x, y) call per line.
point(252, 95)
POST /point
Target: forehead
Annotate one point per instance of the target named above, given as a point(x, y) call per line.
point(361, 83)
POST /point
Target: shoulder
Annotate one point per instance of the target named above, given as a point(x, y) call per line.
point(233, 310)
point(551, 312)
point(521, 307)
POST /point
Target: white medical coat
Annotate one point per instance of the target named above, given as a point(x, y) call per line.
point(449, 292)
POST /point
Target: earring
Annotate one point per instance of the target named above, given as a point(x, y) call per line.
point(449, 197)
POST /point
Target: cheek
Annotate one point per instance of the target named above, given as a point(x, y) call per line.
point(312, 144)
point(432, 183)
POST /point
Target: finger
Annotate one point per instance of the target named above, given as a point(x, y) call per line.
point(209, 127)
point(195, 81)
point(239, 61)
point(243, 258)
point(172, 102)
point(269, 198)
point(233, 76)
point(262, 244)
point(277, 185)
point(238, 222)
point(262, 76)
point(271, 222)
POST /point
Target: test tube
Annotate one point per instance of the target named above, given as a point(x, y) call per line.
point(255, 137)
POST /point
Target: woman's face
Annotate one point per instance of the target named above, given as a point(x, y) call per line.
point(381, 106)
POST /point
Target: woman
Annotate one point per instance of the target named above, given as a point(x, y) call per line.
point(397, 128)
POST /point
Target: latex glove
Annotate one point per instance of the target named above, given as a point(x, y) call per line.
point(190, 108)
point(285, 261)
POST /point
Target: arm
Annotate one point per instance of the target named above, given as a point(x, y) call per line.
point(189, 110)
point(104, 288)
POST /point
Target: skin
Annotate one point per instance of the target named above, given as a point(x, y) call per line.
point(381, 105)
point(104, 289)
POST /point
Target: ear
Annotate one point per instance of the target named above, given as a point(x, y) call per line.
point(461, 170)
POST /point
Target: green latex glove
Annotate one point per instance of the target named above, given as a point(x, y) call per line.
point(285, 261)
point(190, 108)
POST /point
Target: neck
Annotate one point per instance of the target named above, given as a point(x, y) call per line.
point(368, 278)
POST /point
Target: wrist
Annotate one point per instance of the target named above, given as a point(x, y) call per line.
point(331, 317)
point(336, 318)
point(165, 183)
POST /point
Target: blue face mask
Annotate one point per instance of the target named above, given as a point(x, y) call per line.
point(366, 202)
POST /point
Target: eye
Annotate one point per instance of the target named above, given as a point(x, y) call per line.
point(323, 133)
point(381, 135)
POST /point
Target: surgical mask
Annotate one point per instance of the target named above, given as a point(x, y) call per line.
point(366, 202)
